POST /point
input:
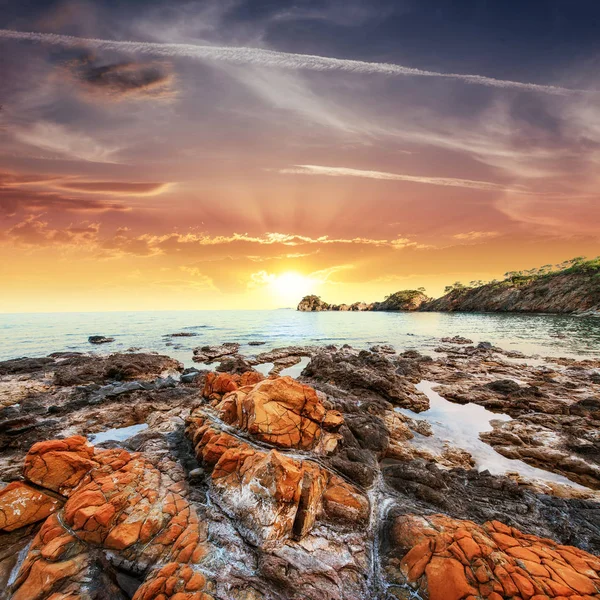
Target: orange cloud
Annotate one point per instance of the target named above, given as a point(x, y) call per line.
point(116, 188)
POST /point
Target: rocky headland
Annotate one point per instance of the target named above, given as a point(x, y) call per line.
point(405, 300)
point(573, 289)
point(236, 486)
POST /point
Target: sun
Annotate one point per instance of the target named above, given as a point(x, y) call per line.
point(291, 286)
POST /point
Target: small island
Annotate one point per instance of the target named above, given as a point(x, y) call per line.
point(571, 287)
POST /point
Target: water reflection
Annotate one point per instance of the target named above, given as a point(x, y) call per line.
point(459, 425)
point(119, 434)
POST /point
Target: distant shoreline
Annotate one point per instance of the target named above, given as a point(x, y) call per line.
point(572, 290)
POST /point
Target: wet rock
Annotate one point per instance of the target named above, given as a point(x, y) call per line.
point(256, 343)
point(116, 367)
point(383, 349)
point(366, 375)
point(181, 334)
point(208, 354)
point(100, 339)
point(457, 339)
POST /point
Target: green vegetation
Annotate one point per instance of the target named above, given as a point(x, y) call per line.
point(573, 266)
point(404, 295)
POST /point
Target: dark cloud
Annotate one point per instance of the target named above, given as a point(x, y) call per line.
point(26, 193)
point(14, 200)
point(124, 79)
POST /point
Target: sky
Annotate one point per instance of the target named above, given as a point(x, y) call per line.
point(232, 154)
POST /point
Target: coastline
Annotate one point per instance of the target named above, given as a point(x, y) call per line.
point(574, 289)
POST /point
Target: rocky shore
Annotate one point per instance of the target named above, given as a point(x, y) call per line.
point(331, 485)
point(572, 290)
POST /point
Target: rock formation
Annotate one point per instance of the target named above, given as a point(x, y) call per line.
point(242, 487)
point(448, 559)
point(112, 501)
point(273, 495)
point(405, 300)
point(367, 374)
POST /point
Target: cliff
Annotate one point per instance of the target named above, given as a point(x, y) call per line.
point(561, 293)
point(405, 300)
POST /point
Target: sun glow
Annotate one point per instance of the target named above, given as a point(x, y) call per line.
point(291, 286)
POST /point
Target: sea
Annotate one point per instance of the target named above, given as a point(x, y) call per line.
point(39, 334)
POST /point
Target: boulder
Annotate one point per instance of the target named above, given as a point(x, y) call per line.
point(284, 413)
point(23, 505)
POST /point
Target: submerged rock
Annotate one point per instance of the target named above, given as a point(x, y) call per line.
point(208, 354)
point(100, 339)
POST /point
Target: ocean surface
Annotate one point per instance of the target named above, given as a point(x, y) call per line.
point(39, 334)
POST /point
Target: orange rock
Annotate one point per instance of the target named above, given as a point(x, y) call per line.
point(271, 494)
point(118, 501)
point(59, 465)
point(22, 505)
point(284, 413)
point(455, 559)
point(446, 580)
point(216, 385)
point(342, 501)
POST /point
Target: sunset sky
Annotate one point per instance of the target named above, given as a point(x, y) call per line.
point(240, 154)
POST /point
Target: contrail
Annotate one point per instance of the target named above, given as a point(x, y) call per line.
point(272, 58)
point(383, 175)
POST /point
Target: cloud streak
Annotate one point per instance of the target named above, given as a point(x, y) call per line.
point(274, 59)
point(382, 175)
point(115, 188)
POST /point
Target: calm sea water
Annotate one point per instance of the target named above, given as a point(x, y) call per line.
point(39, 334)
